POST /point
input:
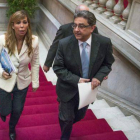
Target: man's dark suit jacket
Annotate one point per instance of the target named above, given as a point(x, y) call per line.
point(64, 31)
point(67, 64)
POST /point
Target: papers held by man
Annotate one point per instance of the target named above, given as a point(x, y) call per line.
point(86, 94)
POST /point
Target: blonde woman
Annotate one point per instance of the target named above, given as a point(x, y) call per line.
point(23, 49)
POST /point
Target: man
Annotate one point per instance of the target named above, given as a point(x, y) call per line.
point(81, 57)
point(64, 31)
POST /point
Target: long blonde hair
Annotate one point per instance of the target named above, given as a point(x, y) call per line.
point(10, 38)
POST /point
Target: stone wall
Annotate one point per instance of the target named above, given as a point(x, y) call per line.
point(61, 13)
point(3, 1)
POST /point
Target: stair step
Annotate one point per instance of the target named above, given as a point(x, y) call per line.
point(118, 135)
point(34, 120)
point(41, 100)
point(49, 108)
point(41, 78)
point(43, 88)
point(108, 113)
point(41, 119)
point(41, 93)
point(133, 134)
point(45, 83)
point(124, 123)
point(84, 127)
point(49, 132)
point(38, 109)
point(89, 115)
point(99, 104)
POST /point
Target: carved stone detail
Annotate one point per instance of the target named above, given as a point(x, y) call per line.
point(101, 7)
point(95, 4)
point(109, 6)
point(125, 15)
point(118, 9)
point(88, 2)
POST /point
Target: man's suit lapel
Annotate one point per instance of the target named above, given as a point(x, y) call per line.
point(94, 51)
point(76, 53)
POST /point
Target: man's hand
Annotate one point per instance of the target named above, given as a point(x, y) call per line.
point(6, 75)
point(94, 83)
point(82, 80)
point(34, 89)
point(45, 68)
point(105, 78)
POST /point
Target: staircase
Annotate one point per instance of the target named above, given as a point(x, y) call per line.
point(39, 120)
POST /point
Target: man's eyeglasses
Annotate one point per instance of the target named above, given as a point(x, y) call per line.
point(81, 26)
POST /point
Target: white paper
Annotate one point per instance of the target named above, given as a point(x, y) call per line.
point(86, 94)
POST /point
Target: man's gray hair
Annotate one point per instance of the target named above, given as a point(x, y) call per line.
point(81, 7)
point(91, 19)
point(77, 9)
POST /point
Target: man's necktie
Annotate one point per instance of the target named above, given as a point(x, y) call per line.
point(85, 61)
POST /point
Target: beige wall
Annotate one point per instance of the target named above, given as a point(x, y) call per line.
point(124, 80)
point(3, 1)
point(62, 14)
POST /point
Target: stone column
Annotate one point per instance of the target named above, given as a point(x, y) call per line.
point(88, 2)
point(109, 7)
point(101, 7)
point(118, 9)
point(95, 4)
point(125, 15)
point(82, 1)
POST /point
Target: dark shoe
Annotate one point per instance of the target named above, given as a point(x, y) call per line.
point(3, 118)
point(12, 136)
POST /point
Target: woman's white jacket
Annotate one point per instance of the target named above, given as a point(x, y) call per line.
point(23, 77)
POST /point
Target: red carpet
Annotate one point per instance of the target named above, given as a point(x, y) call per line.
point(39, 120)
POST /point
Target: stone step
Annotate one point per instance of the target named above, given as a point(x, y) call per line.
point(124, 123)
point(133, 134)
point(108, 113)
point(99, 104)
point(42, 53)
point(51, 76)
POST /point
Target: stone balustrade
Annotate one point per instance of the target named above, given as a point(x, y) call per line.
point(115, 11)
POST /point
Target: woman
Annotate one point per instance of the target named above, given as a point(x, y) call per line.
point(23, 49)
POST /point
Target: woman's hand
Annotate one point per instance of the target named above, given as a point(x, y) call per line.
point(34, 89)
point(6, 75)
